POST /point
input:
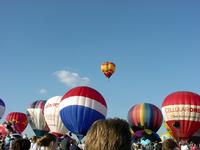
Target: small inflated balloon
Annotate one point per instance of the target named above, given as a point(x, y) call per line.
point(166, 136)
point(35, 115)
point(166, 126)
point(18, 121)
point(181, 111)
point(52, 116)
point(168, 129)
point(108, 68)
point(80, 107)
point(145, 116)
point(2, 108)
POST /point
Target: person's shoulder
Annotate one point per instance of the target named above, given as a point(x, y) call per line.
point(74, 147)
point(184, 147)
point(42, 148)
point(38, 148)
point(34, 146)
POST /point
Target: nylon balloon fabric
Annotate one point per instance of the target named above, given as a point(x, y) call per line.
point(80, 107)
point(181, 111)
point(145, 116)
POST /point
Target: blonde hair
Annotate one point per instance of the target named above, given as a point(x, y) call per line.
point(46, 140)
point(110, 134)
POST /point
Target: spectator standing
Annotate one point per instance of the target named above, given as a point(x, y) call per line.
point(109, 134)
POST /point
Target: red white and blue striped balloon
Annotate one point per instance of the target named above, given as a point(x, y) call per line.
point(2, 108)
point(80, 107)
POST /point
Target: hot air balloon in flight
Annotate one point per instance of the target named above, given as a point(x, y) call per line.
point(181, 112)
point(2, 108)
point(80, 107)
point(18, 121)
point(35, 115)
point(145, 116)
point(108, 68)
point(52, 116)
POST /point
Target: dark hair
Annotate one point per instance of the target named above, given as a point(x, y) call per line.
point(21, 144)
point(46, 140)
point(169, 144)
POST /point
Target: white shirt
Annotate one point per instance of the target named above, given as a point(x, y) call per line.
point(184, 147)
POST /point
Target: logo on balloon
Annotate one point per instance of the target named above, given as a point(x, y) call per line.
point(181, 112)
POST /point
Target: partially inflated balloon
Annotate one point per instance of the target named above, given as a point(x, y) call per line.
point(166, 136)
point(108, 68)
point(18, 120)
point(35, 114)
point(2, 108)
point(168, 129)
point(52, 116)
point(3, 131)
point(80, 107)
point(181, 111)
point(145, 116)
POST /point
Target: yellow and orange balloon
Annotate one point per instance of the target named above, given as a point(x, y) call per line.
point(166, 136)
point(108, 68)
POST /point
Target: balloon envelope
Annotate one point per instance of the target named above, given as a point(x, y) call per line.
point(166, 136)
point(144, 134)
point(181, 111)
point(35, 115)
point(108, 68)
point(3, 131)
point(139, 133)
point(145, 116)
point(52, 116)
point(19, 120)
point(2, 108)
point(80, 107)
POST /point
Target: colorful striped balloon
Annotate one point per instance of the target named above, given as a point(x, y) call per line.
point(35, 115)
point(80, 107)
point(145, 116)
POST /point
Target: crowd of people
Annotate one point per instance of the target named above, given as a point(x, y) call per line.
point(109, 134)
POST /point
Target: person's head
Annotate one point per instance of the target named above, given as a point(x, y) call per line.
point(48, 140)
point(33, 139)
point(110, 134)
point(15, 136)
point(74, 147)
point(169, 144)
point(21, 144)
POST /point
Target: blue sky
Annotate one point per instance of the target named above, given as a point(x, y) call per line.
point(154, 44)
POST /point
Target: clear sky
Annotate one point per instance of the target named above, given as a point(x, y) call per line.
point(46, 44)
